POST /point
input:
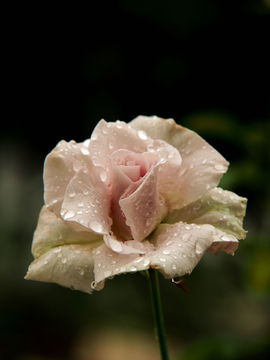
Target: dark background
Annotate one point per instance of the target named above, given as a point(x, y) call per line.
point(69, 64)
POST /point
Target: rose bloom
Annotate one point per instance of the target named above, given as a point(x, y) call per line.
point(132, 197)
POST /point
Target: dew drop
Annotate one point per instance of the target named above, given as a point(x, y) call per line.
point(184, 255)
point(186, 237)
point(84, 150)
point(146, 262)
point(199, 246)
point(174, 266)
point(45, 262)
point(103, 175)
point(123, 269)
point(71, 192)
point(57, 250)
point(162, 259)
point(149, 221)
point(85, 192)
point(142, 135)
point(68, 215)
point(204, 161)
point(93, 285)
point(64, 260)
point(177, 280)
point(166, 252)
point(219, 167)
point(81, 272)
point(111, 143)
point(80, 204)
point(96, 226)
point(188, 227)
point(133, 268)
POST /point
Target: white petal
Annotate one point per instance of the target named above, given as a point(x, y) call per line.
point(127, 247)
point(202, 166)
point(109, 137)
point(223, 209)
point(59, 168)
point(52, 232)
point(109, 263)
point(143, 208)
point(69, 265)
point(87, 202)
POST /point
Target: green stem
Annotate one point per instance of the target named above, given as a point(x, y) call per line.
point(157, 312)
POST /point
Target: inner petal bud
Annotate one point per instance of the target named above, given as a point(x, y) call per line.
point(133, 165)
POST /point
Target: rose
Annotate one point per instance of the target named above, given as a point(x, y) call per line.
point(134, 196)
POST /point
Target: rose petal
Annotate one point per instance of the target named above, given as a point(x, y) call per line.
point(59, 168)
point(87, 202)
point(52, 232)
point(223, 209)
point(177, 250)
point(144, 208)
point(109, 263)
point(69, 265)
point(202, 166)
point(109, 137)
point(179, 247)
point(127, 247)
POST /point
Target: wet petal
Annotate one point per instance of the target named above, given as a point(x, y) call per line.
point(69, 265)
point(127, 247)
point(223, 209)
point(143, 208)
point(53, 231)
point(59, 168)
point(109, 263)
point(87, 202)
point(202, 166)
point(179, 247)
point(109, 137)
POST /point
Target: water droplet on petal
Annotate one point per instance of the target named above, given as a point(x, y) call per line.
point(220, 168)
point(186, 237)
point(199, 246)
point(64, 260)
point(45, 262)
point(96, 226)
point(103, 175)
point(68, 215)
point(166, 252)
point(133, 268)
point(142, 135)
point(84, 150)
point(149, 221)
point(80, 204)
point(174, 266)
point(177, 280)
point(162, 259)
point(146, 262)
point(188, 227)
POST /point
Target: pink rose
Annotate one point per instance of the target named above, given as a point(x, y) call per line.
point(134, 196)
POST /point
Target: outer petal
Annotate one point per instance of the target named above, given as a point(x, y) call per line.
point(109, 263)
point(87, 202)
point(223, 209)
point(52, 232)
point(70, 265)
point(177, 250)
point(202, 166)
point(108, 137)
point(60, 167)
point(180, 247)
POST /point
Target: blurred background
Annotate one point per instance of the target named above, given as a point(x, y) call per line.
point(67, 65)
